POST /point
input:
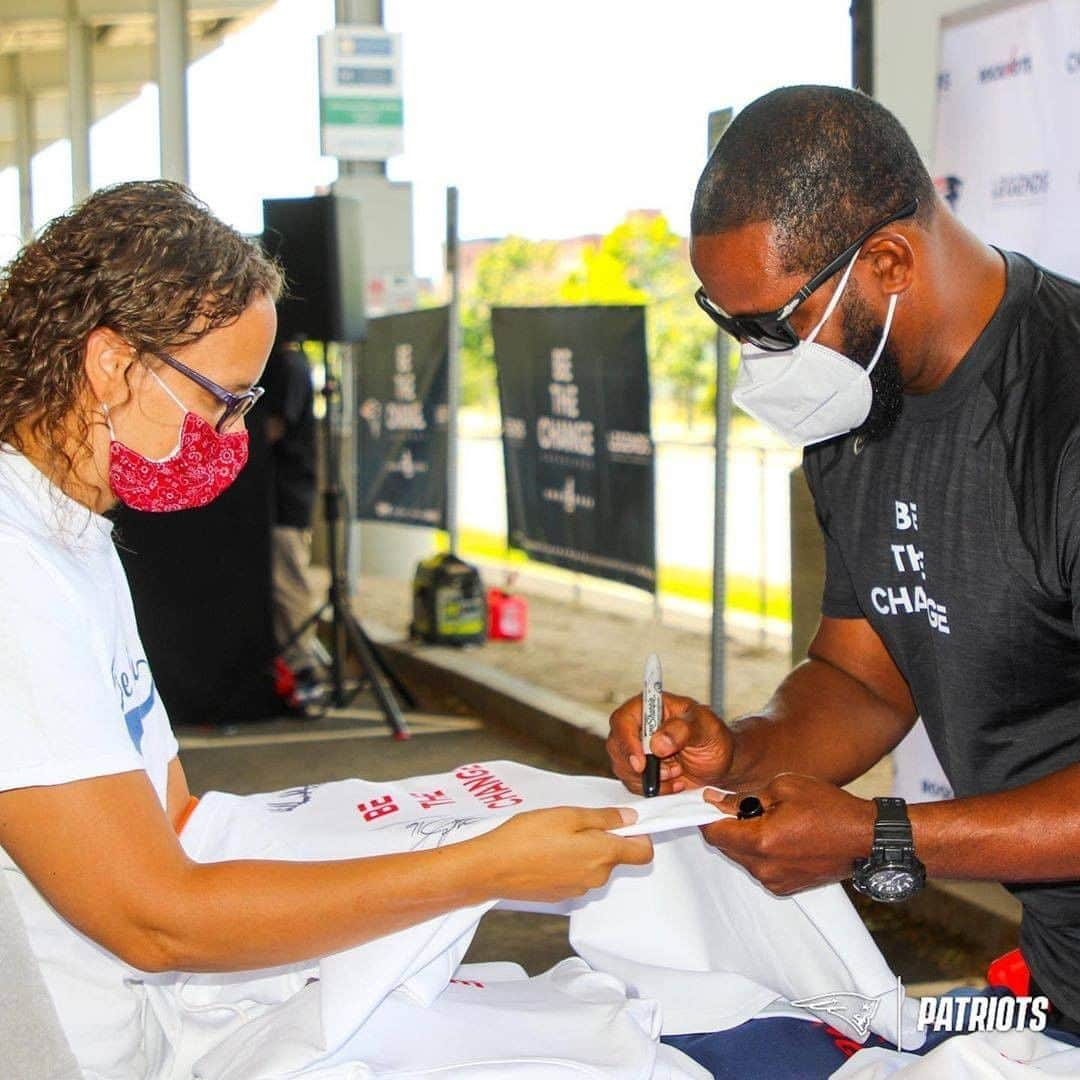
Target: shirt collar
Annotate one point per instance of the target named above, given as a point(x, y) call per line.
point(39, 502)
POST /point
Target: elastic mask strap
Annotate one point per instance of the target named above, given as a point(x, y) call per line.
point(165, 386)
point(884, 333)
point(108, 420)
point(835, 298)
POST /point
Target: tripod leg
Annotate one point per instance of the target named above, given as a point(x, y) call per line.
point(403, 691)
point(337, 667)
point(298, 633)
point(375, 671)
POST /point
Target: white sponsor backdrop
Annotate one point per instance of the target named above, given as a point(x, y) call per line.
point(1006, 150)
point(1007, 160)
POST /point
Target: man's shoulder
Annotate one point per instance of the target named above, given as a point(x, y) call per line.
point(1036, 386)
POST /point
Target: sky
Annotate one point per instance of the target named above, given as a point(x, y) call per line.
point(553, 119)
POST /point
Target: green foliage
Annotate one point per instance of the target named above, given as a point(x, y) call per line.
point(511, 272)
point(681, 356)
point(641, 261)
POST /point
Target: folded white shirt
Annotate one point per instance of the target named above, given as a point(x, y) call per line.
point(691, 934)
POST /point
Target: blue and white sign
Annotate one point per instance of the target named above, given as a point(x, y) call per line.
point(361, 108)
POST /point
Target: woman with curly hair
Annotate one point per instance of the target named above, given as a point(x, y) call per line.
point(133, 332)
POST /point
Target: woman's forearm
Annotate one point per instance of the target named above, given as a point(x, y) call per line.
point(295, 911)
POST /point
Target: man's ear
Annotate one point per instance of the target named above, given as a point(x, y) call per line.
point(892, 262)
point(106, 359)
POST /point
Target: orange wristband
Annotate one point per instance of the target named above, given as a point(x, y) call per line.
point(188, 811)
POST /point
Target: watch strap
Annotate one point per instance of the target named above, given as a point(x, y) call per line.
point(893, 825)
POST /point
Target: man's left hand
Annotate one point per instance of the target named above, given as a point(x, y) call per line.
point(810, 834)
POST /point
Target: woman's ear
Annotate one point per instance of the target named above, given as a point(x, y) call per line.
point(106, 359)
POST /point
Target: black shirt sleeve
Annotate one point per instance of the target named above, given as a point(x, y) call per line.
point(1068, 525)
point(839, 600)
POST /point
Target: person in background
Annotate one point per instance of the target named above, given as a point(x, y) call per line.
point(288, 409)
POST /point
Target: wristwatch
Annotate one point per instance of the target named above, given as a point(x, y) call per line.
point(892, 872)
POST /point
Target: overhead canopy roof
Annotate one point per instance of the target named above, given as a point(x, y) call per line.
point(33, 51)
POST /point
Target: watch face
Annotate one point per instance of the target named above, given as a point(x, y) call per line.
point(892, 884)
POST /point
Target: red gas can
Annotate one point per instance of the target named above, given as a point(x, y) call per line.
point(508, 616)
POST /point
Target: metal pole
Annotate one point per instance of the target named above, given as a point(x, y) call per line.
point(359, 13)
point(862, 45)
point(763, 555)
point(453, 372)
point(80, 91)
point(717, 125)
point(718, 648)
point(172, 57)
point(24, 149)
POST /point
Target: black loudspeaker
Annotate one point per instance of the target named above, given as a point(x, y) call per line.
point(319, 242)
point(201, 581)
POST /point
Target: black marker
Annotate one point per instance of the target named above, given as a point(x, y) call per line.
point(652, 713)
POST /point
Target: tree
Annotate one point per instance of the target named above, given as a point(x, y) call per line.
point(641, 261)
point(513, 271)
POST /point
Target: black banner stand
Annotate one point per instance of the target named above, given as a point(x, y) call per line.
point(348, 633)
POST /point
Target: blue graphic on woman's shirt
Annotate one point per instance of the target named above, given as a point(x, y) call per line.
point(134, 718)
point(128, 683)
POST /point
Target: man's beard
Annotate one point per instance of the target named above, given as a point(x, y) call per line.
point(862, 333)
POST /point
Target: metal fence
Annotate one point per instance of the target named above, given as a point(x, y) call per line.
point(758, 533)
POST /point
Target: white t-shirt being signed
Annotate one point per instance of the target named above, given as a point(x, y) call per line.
point(78, 701)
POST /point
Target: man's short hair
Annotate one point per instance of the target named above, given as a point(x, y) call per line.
point(820, 163)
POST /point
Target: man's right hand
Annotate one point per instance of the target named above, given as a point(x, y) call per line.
point(695, 746)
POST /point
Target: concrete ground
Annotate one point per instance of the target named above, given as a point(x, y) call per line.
point(593, 650)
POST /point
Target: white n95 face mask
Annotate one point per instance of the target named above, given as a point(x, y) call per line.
point(809, 393)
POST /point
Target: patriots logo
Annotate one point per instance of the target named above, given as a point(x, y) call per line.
point(949, 188)
point(855, 1010)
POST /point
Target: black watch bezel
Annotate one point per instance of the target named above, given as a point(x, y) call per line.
point(893, 851)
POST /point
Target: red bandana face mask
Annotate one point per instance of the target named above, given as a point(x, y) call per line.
point(201, 467)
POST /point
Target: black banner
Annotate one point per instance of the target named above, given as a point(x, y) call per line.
point(401, 385)
point(574, 391)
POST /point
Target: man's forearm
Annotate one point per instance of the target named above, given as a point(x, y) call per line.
point(821, 722)
point(1029, 833)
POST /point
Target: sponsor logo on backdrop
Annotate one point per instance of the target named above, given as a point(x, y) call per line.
point(949, 188)
point(944, 82)
point(935, 789)
point(1072, 62)
point(1010, 69)
point(568, 497)
point(1029, 187)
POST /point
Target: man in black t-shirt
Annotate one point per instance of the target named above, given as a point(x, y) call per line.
point(288, 406)
point(935, 384)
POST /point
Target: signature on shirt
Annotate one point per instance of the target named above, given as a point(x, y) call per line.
point(434, 831)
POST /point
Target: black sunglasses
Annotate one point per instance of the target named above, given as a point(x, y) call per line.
point(236, 405)
point(771, 330)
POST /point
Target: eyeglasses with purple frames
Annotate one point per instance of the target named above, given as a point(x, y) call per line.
point(237, 406)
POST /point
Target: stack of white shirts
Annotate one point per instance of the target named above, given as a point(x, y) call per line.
point(689, 943)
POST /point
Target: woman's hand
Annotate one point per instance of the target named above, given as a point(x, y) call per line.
point(557, 854)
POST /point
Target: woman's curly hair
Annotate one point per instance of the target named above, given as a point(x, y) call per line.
point(145, 259)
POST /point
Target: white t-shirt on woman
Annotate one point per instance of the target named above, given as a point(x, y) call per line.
point(78, 700)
